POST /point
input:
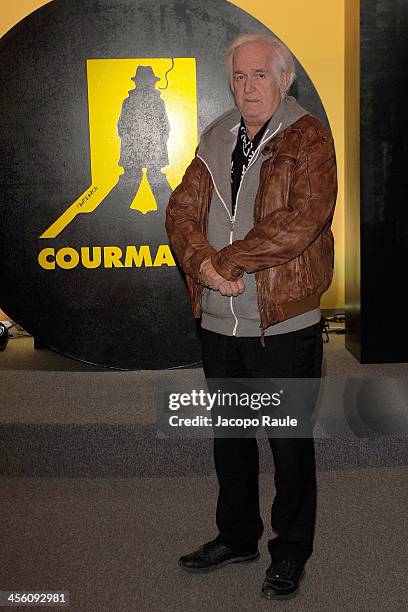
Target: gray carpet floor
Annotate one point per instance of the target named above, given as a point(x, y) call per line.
point(114, 544)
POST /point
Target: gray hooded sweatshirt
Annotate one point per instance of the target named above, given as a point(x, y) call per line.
point(239, 316)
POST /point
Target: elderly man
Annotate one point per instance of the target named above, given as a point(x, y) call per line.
point(250, 226)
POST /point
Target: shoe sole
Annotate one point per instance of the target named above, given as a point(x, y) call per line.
point(285, 597)
point(211, 568)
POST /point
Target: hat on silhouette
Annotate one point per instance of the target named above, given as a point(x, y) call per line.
point(145, 75)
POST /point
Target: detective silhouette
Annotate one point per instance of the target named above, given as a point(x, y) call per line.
point(143, 129)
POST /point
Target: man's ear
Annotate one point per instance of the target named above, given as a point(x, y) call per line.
point(284, 84)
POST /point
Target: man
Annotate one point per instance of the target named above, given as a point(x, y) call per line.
point(250, 226)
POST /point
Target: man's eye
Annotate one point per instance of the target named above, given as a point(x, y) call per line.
point(261, 75)
point(239, 77)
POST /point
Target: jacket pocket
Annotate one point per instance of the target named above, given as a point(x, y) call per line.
point(215, 304)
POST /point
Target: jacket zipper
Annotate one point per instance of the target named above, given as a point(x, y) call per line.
point(253, 160)
point(232, 218)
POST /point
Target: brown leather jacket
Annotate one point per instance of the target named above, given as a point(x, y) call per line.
point(290, 248)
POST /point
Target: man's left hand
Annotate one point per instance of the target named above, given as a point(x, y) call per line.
point(210, 277)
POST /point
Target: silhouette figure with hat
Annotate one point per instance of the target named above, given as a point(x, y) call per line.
point(143, 129)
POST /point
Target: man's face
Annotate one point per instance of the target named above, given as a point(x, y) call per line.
point(257, 93)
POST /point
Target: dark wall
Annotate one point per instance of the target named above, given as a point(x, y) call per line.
point(377, 331)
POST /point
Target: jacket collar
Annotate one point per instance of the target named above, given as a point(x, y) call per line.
point(219, 139)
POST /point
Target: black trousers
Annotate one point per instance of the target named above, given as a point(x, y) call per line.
point(293, 355)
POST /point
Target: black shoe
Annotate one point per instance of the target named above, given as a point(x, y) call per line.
point(282, 579)
point(213, 555)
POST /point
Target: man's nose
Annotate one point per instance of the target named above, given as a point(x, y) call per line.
point(249, 86)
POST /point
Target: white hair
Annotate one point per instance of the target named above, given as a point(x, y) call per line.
point(282, 59)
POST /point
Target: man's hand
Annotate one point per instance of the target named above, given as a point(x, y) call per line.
point(212, 279)
point(231, 288)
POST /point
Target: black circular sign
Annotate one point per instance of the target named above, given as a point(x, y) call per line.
point(102, 104)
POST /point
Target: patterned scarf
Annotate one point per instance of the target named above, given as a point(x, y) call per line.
point(241, 157)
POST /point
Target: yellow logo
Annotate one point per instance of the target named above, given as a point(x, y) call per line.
point(142, 124)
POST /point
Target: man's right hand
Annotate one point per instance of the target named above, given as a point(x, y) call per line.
point(213, 280)
point(231, 287)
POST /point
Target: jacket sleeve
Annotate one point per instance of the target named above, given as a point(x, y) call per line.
point(188, 242)
point(287, 231)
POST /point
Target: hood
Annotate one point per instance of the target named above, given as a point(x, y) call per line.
point(219, 138)
point(224, 129)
